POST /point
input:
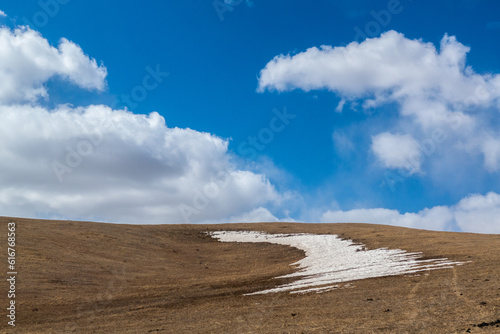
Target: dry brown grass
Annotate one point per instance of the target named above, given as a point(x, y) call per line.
point(82, 277)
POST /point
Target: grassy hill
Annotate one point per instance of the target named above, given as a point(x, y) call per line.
point(84, 277)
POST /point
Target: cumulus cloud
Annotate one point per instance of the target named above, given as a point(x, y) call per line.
point(27, 61)
point(397, 151)
point(257, 215)
point(475, 213)
point(434, 89)
point(478, 213)
point(491, 150)
point(113, 165)
point(388, 67)
point(2, 14)
point(437, 218)
point(96, 163)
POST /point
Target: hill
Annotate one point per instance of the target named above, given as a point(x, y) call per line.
point(84, 277)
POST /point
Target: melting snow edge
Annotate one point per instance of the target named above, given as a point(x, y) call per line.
point(330, 260)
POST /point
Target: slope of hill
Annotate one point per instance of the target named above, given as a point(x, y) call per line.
point(83, 277)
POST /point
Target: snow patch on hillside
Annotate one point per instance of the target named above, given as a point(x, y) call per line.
point(330, 260)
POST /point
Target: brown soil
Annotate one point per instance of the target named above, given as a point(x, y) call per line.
point(83, 277)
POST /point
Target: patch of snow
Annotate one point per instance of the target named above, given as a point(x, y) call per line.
point(330, 260)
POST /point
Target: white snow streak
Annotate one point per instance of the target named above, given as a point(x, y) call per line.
point(330, 260)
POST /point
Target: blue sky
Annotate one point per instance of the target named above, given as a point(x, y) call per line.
point(326, 164)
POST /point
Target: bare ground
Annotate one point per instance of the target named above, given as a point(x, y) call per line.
point(83, 277)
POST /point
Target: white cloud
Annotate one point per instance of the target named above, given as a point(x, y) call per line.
point(2, 14)
point(27, 61)
point(434, 89)
point(476, 213)
point(491, 151)
point(258, 215)
point(118, 166)
point(388, 67)
point(397, 151)
point(437, 218)
point(95, 163)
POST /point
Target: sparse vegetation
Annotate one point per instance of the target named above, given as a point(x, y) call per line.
point(82, 277)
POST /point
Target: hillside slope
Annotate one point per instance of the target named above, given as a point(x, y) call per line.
point(83, 277)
